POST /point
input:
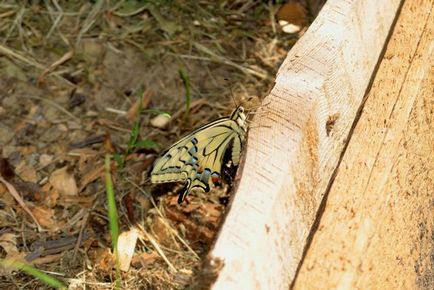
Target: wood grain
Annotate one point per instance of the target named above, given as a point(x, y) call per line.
point(295, 142)
point(377, 230)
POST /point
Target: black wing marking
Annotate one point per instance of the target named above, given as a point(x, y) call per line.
point(198, 157)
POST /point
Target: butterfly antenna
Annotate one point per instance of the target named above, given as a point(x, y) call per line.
point(232, 93)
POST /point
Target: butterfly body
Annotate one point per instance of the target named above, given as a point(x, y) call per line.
point(198, 157)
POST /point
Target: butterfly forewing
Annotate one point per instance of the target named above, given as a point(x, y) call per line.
point(198, 157)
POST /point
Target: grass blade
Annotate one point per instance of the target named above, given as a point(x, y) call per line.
point(113, 217)
point(30, 270)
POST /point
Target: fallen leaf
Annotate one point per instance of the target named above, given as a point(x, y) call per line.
point(26, 172)
point(144, 202)
point(211, 213)
point(104, 260)
point(27, 150)
point(19, 199)
point(8, 241)
point(2, 189)
point(88, 158)
point(126, 246)
point(45, 159)
point(200, 221)
point(9, 265)
point(95, 173)
point(51, 196)
point(63, 181)
point(161, 231)
point(144, 259)
point(45, 217)
point(7, 200)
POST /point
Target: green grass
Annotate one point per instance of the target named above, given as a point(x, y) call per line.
point(32, 271)
point(113, 217)
point(134, 142)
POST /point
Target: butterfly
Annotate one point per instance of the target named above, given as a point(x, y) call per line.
point(198, 157)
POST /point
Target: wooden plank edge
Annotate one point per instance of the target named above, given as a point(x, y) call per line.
point(294, 144)
point(378, 225)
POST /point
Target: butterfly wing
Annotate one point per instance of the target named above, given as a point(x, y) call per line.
point(198, 157)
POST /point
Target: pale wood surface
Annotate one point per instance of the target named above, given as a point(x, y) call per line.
point(295, 142)
point(377, 230)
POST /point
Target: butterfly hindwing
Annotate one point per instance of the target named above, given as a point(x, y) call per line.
point(197, 158)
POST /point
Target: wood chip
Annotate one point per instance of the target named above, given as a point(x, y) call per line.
point(126, 246)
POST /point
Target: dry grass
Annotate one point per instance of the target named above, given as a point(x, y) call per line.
point(71, 71)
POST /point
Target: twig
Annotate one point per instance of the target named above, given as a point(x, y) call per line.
point(164, 219)
point(9, 52)
point(20, 201)
point(67, 56)
point(158, 249)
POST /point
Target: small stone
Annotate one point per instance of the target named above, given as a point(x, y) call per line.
point(160, 121)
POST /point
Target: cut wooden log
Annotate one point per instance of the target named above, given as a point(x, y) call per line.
point(377, 230)
point(294, 145)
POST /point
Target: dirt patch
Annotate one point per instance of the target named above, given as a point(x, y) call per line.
point(71, 77)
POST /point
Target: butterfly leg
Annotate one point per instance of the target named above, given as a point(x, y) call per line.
point(184, 191)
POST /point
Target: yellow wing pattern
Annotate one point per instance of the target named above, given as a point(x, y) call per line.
point(198, 157)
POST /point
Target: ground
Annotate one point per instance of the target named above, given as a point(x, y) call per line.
point(74, 75)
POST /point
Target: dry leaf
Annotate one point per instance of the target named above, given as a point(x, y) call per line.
point(45, 159)
point(64, 182)
point(201, 223)
point(2, 190)
point(8, 266)
point(8, 242)
point(94, 174)
point(45, 217)
point(18, 198)
point(27, 173)
point(134, 109)
point(88, 157)
point(51, 196)
point(104, 260)
point(161, 231)
point(144, 259)
point(212, 213)
point(126, 246)
point(27, 150)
